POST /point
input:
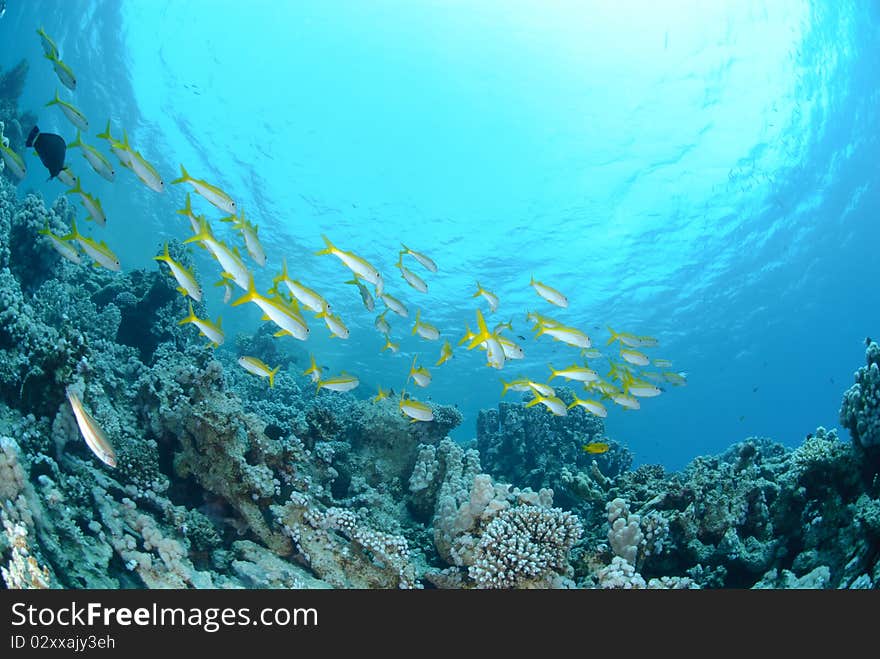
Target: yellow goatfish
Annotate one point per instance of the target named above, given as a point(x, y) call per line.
point(95, 158)
point(568, 335)
point(382, 395)
point(489, 296)
point(212, 193)
point(425, 330)
point(91, 432)
point(634, 357)
point(248, 233)
point(334, 324)
point(99, 252)
point(187, 211)
point(14, 162)
point(257, 367)
point(511, 349)
point(119, 149)
point(416, 410)
point(592, 406)
point(366, 296)
point(91, 204)
point(520, 384)
point(145, 172)
point(276, 310)
point(426, 261)
point(186, 279)
point(206, 328)
point(626, 401)
point(494, 349)
point(229, 259)
point(539, 320)
point(552, 403)
point(542, 388)
point(73, 114)
point(344, 382)
point(65, 248)
point(390, 345)
point(676, 379)
point(49, 47)
point(227, 289)
point(304, 295)
point(313, 371)
point(445, 353)
point(64, 72)
point(353, 262)
point(662, 363)
point(421, 376)
point(550, 294)
point(631, 340)
point(575, 372)
point(68, 178)
point(382, 324)
point(410, 277)
point(394, 304)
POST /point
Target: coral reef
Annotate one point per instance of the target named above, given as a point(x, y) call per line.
point(222, 482)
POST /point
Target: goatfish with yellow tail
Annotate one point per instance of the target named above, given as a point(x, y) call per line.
point(489, 296)
point(416, 410)
point(382, 324)
point(390, 345)
point(445, 353)
point(423, 329)
point(310, 299)
point(574, 372)
point(421, 376)
point(73, 114)
point(63, 247)
point(494, 349)
point(662, 363)
point(248, 233)
point(468, 336)
point(229, 259)
point(548, 293)
point(95, 158)
point(276, 310)
point(91, 204)
point(366, 296)
point(68, 178)
point(359, 266)
point(552, 403)
point(187, 212)
point(676, 379)
point(520, 384)
point(394, 304)
point(410, 277)
point(97, 251)
point(313, 371)
point(145, 172)
point(212, 193)
point(91, 432)
point(592, 406)
point(567, 335)
point(14, 162)
point(258, 367)
point(63, 71)
point(639, 388)
point(511, 349)
point(631, 340)
point(212, 331)
point(539, 320)
point(334, 324)
point(120, 149)
point(591, 353)
point(186, 279)
point(343, 382)
point(426, 261)
point(48, 44)
point(626, 401)
point(382, 395)
point(596, 447)
point(634, 357)
point(227, 289)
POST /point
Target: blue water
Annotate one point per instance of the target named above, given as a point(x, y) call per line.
point(703, 172)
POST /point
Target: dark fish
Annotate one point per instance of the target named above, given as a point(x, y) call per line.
point(51, 148)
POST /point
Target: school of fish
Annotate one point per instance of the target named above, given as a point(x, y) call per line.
point(628, 377)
